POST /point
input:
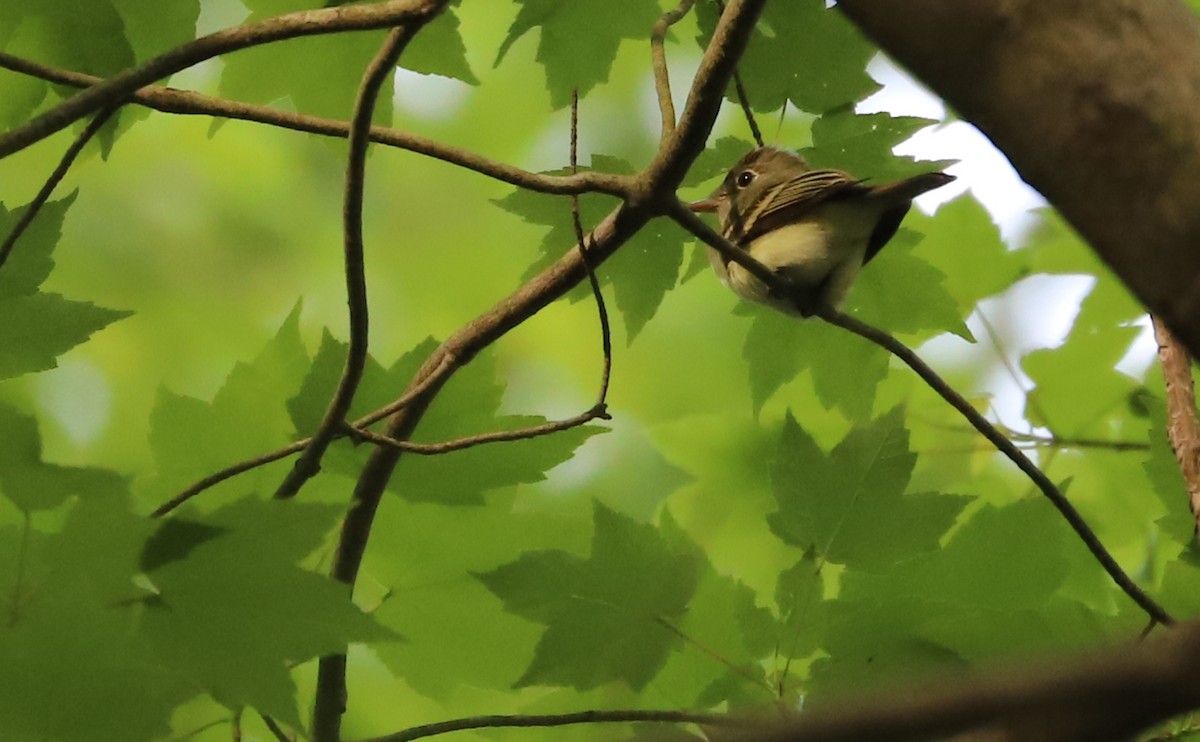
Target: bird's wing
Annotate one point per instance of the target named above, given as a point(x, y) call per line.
point(788, 201)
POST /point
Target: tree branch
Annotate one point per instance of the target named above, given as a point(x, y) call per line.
point(170, 100)
point(376, 74)
point(326, 723)
point(1095, 102)
point(605, 331)
point(658, 56)
point(1183, 425)
point(535, 431)
point(52, 182)
point(557, 720)
point(289, 26)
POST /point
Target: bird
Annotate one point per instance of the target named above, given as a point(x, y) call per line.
point(815, 228)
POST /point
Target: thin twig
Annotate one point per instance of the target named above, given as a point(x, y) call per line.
point(116, 89)
point(535, 431)
point(1183, 424)
point(446, 363)
point(1006, 447)
point(170, 100)
point(275, 729)
point(724, 662)
point(558, 720)
point(52, 182)
point(576, 221)
point(376, 74)
point(744, 99)
point(690, 222)
point(658, 56)
point(228, 473)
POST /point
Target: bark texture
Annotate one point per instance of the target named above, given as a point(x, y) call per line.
point(1097, 105)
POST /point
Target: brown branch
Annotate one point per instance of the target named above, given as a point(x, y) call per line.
point(651, 192)
point(780, 287)
point(326, 718)
point(170, 100)
point(1104, 696)
point(577, 223)
point(534, 431)
point(1183, 425)
point(558, 720)
point(658, 56)
point(289, 26)
point(376, 74)
point(744, 99)
point(52, 182)
point(1014, 454)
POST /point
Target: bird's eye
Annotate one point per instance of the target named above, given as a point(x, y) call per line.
point(744, 178)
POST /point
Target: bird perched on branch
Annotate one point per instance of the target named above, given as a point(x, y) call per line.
point(814, 228)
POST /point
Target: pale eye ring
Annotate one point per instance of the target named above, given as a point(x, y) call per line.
point(744, 178)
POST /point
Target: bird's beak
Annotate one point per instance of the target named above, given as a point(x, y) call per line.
point(707, 205)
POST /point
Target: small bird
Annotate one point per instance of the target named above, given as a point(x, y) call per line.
point(815, 228)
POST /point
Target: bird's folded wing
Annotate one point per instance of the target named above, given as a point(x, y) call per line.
point(789, 201)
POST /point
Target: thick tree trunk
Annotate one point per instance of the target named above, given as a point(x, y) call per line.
point(1096, 103)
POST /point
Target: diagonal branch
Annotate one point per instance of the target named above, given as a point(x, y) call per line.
point(292, 25)
point(52, 182)
point(182, 102)
point(1014, 454)
point(557, 720)
point(780, 287)
point(376, 74)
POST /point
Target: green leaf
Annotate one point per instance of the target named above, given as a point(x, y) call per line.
point(153, 28)
point(642, 271)
point(846, 369)
point(438, 49)
point(1162, 468)
point(422, 572)
point(271, 72)
point(902, 293)
point(872, 645)
point(963, 243)
point(1077, 385)
point(37, 329)
point(237, 612)
point(723, 620)
point(467, 406)
point(33, 484)
point(191, 438)
point(803, 52)
point(849, 506)
point(71, 631)
point(862, 144)
point(30, 262)
point(798, 599)
point(980, 567)
point(578, 40)
point(602, 615)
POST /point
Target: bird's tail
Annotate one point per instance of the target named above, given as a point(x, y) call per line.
point(910, 188)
